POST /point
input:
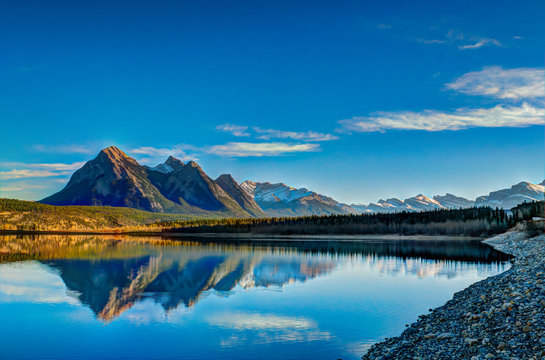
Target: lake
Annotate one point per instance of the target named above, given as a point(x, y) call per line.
point(89, 297)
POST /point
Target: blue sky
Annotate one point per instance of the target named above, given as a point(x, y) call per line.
point(359, 100)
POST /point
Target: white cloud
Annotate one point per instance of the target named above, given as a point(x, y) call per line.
point(21, 170)
point(244, 149)
point(42, 166)
point(525, 85)
point(520, 83)
point(159, 154)
point(236, 130)
point(463, 40)
point(20, 186)
point(268, 134)
point(25, 174)
point(433, 120)
point(480, 43)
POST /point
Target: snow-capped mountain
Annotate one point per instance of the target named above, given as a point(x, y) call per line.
point(268, 192)
point(517, 194)
point(168, 166)
point(450, 201)
point(416, 203)
point(422, 202)
point(505, 199)
point(283, 200)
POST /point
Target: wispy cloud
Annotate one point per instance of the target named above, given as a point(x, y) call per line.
point(267, 134)
point(246, 149)
point(26, 173)
point(236, 130)
point(433, 120)
point(520, 83)
point(153, 155)
point(177, 150)
point(19, 170)
point(42, 166)
point(462, 40)
point(21, 186)
point(480, 43)
point(431, 41)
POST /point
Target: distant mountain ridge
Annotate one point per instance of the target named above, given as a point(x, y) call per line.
point(115, 179)
point(504, 199)
point(282, 200)
point(517, 194)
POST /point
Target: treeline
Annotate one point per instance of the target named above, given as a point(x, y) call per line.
point(472, 221)
point(528, 211)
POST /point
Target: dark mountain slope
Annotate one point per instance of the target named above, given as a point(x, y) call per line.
point(190, 185)
point(231, 187)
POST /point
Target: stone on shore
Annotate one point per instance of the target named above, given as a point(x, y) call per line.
point(501, 317)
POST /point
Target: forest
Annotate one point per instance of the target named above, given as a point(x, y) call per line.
point(474, 221)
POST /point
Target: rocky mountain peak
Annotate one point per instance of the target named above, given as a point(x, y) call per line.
point(112, 152)
point(226, 178)
point(174, 163)
point(193, 164)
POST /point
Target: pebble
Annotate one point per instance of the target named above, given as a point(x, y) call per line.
point(501, 317)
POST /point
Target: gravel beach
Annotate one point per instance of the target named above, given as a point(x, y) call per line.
point(501, 317)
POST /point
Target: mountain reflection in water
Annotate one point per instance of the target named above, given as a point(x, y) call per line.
point(173, 278)
point(111, 274)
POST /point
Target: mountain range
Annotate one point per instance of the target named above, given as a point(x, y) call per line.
point(115, 179)
point(503, 199)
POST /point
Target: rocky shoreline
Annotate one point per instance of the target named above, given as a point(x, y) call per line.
point(501, 317)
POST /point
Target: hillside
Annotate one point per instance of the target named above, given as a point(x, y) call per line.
point(33, 216)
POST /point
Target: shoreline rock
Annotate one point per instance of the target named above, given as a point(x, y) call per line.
point(501, 317)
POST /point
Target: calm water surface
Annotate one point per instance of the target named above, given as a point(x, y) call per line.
point(88, 297)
